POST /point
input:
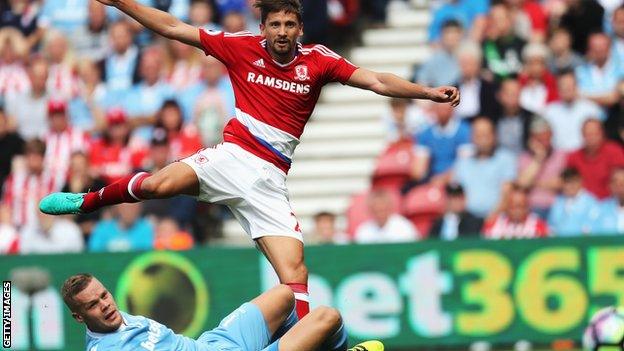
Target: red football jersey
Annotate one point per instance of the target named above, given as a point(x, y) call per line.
point(273, 100)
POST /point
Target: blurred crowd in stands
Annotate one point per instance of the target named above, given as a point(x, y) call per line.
point(87, 95)
point(536, 146)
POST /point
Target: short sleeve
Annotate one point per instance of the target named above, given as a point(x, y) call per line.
point(219, 44)
point(335, 67)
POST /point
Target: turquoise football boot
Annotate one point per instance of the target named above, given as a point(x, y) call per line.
point(62, 203)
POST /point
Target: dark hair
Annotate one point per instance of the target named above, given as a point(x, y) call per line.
point(452, 23)
point(322, 214)
point(73, 286)
point(170, 103)
point(35, 146)
point(269, 6)
point(570, 173)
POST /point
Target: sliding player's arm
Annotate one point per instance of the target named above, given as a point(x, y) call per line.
point(158, 21)
point(388, 84)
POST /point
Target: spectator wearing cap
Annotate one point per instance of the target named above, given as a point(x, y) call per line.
point(25, 186)
point(502, 48)
point(478, 94)
point(539, 167)
point(114, 155)
point(516, 220)
point(575, 212)
point(184, 140)
point(11, 145)
point(512, 121)
point(29, 109)
point(325, 231)
point(62, 140)
point(596, 159)
point(127, 230)
point(567, 115)
point(539, 86)
point(598, 79)
point(562, 58)
point(439, 145)
point(442, 67)
point(385, 226)
point(612, 210)
point(486, 173)
point(456, 221)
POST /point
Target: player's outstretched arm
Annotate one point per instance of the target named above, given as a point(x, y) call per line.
point(158, 21)
point(388, 84)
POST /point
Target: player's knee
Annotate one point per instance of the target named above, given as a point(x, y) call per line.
point(328, 317)
point(285, 294)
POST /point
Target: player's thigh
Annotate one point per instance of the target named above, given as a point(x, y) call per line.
point(222, 177)
point(175, 179)
point(244, 329)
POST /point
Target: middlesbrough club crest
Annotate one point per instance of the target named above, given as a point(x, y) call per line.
point(301, 72)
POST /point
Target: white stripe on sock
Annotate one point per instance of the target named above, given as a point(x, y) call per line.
point(131, 184)
point(302, 297)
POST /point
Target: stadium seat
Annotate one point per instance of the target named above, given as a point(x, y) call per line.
point(422, 205)
point(357, 212)
point(393, 167)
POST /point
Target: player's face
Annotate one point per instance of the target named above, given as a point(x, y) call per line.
point(281, 30)
point(97, 309)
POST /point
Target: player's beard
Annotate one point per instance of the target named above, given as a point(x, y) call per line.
point(282, 49)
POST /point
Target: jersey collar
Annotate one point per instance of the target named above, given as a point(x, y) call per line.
point(263, 43)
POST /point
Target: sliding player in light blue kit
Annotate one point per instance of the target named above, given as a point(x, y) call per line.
point(267, 323)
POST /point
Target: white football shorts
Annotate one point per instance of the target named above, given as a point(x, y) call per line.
point(254, 189)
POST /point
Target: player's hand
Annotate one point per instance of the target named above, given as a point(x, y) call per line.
point(445, 94)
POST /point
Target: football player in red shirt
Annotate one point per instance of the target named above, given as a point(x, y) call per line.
point(277, 82)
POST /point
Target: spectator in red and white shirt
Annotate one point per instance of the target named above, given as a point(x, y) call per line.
point(62, 140)
point(184, 140)
point(27, 185)
point(516, 220)
point(186, 69)
point(13, 49)
point(114, 155)
point(62, 79)
point(596, 159)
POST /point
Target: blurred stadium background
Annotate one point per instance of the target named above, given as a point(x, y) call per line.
point(493, 226)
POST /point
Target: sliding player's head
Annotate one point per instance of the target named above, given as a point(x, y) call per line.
point(91, 303)
point(281, 25)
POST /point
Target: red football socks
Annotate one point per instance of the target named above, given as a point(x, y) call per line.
point(302, 299)
point(127, 189)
